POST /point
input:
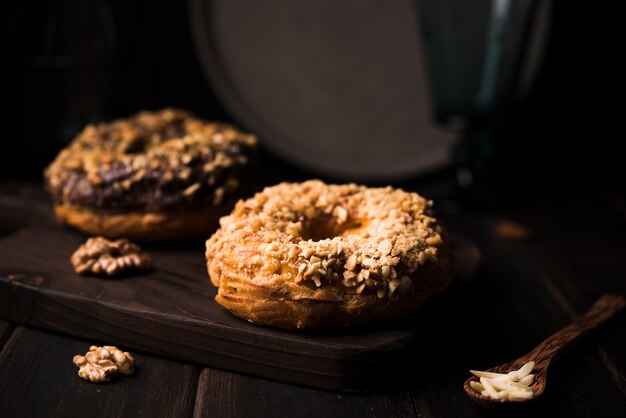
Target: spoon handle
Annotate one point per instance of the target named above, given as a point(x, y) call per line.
point(604, 308)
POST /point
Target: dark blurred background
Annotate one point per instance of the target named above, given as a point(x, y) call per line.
point(67, 62)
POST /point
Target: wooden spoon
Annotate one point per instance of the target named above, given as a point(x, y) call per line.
point(543, 355)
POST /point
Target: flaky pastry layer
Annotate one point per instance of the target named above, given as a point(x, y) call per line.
point(311, 255)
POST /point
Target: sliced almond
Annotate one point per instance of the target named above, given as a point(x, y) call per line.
point(489, 375)
point(507, 386)
point(525, 370)
point(512, 386)
point(509, 377)
point(489, 388)
point(527, 380)
point(519, 385)
point(520, 395)
point(477, 386)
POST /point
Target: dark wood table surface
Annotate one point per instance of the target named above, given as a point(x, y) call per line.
point(544, 263)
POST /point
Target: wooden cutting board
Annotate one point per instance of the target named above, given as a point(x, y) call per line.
point(171, 312)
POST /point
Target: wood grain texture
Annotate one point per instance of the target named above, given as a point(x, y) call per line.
point(38, 379)
point(171, 312)
point(5, 331)
point(524, 292)
point(552, 347)
point(509, 327)
point(225, 394)
point(22, 204)
point(587, 262)
point(601, 311)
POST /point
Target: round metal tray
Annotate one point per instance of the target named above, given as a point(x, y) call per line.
point(335, 87)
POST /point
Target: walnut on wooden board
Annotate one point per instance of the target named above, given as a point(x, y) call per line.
point(101, 363)
point(104, 257)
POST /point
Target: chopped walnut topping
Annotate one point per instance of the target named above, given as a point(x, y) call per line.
point(101, 363)
point(104, 257)
point(367, 240)
point(151, 151)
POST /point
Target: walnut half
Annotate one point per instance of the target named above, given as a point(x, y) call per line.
point(100, 363)
point(104, 257)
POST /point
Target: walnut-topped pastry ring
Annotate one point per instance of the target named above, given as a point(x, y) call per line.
point(153, 176)
point(312, 255)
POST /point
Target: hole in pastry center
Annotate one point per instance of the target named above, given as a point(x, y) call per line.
point(136, 146)
point(326, 227)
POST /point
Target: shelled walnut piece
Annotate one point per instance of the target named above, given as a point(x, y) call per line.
point(104, 257)
point(101, 363)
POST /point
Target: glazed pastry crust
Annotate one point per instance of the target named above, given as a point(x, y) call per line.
point(311, 255)
point(284, 304)
point(140, 226)
point(163, 175)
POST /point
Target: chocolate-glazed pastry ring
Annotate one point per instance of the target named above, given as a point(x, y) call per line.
point(154, 176)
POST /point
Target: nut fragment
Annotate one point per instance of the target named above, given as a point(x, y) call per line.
point(101, 363)
point(104, 257)
point(513, 386)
